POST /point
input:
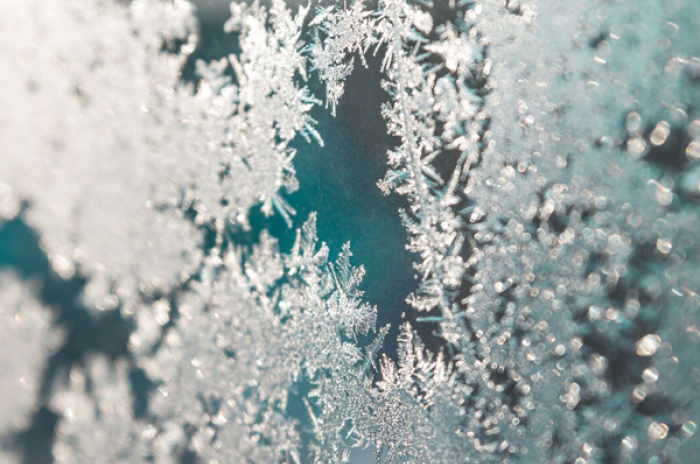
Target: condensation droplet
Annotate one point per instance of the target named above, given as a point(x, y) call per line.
point(629, 444)
point(647, 345)
point(499, 287)
point(689, 429)
point(634, 122)
point(636, 146)
point(657, 430)
point(693, 151)
point(664, 246)
point(694, 128)
point(650, 375)
point(639, 394)
point(660, 133)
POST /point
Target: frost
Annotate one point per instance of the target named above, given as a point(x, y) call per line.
point(154, 147)
point(420, 102)
point(26, 328)
point(95, 406)
point(548, 156)
point(538, 228)
point(269, 112)
point(339, 32)
point(271, 323)
point(78, 136)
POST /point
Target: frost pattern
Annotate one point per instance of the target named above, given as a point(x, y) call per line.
point(25, 327)
point(565, 291)
point(549, 157)
point(251, 308)
point(75, 178)
point(420, 103)
point(95, 414)
point(219, 149)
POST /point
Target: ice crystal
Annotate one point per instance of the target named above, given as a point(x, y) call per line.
point(170, 146)
point(554, 219)
point(95, 406)
point(79, 135)
point(271, 323)
point(26, 329)
point(339, 32)
point(269, 112)
point(548, 157)
point(420, 102)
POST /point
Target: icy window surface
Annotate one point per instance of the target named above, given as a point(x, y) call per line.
point(26, 341)
point(168, 296)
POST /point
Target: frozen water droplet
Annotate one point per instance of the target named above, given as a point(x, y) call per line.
point(693, 150)
point(664, 246)
point(634, 122)
point(650, 375)
point(689, 429)
point(647, 345)
point(657, 430)
point(660, 133)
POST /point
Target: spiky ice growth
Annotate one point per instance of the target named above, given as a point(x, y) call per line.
point(548, 154)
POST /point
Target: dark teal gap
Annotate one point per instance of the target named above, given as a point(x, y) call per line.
point(339, 182)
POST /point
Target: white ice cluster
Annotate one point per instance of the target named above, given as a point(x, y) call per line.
point(549, 156)
point(27, 340)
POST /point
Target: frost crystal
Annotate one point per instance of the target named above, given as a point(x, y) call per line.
point(537, 309)
point(220, 149)
point(250, 309)
point(95, 406)
point(26, 341)
point(548, 157)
